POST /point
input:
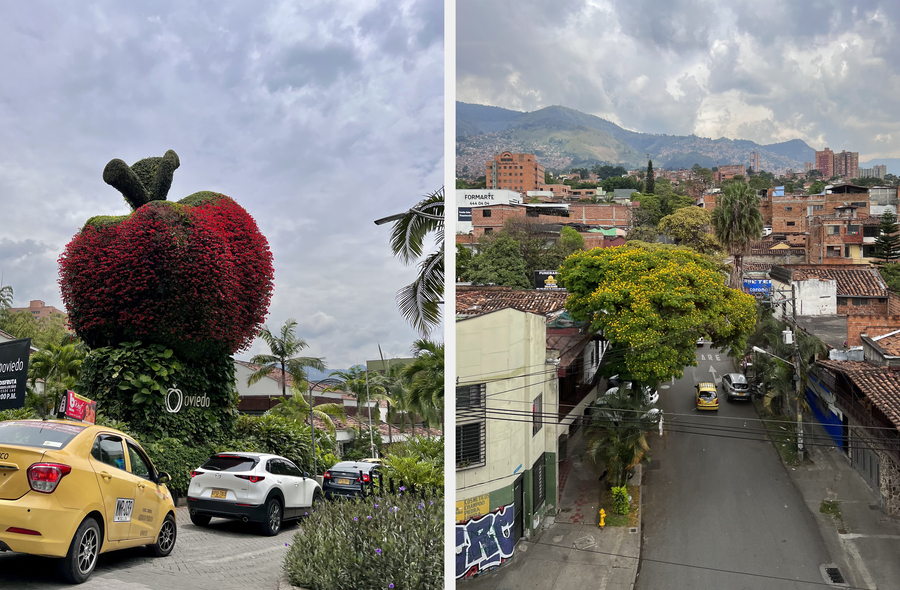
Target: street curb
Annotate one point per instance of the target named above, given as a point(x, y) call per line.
point(285, 584)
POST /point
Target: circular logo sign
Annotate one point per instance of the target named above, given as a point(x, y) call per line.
point(174, 400)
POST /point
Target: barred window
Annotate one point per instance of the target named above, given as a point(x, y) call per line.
point(470, 445)
point(539, 482)
point(470, 396)
point(537, 414)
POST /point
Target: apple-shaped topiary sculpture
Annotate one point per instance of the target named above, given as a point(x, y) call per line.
point(195, 275)
point(162, 297)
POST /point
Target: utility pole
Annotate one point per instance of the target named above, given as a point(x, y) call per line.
point(797, 373)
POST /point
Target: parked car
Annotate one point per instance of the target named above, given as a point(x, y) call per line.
point(74, 490)
point(735, 386)
point(252, 487)
point(707, 398)
point(350, 479)
point(651, 396)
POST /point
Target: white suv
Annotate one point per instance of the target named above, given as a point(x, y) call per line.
point(253, 487)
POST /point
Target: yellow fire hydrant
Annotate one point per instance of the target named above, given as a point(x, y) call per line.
point(602, 518)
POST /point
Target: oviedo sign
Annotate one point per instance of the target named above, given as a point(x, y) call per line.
point(175, 400)
point(13, 373)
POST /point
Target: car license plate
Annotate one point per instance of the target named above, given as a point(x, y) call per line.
point(218, 494)
point(343, 481)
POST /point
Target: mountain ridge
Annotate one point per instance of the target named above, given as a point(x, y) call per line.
point(562, 137)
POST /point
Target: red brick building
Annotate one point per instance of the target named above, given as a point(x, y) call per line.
point(825, 162)
point(730, 171)
point(517, 172)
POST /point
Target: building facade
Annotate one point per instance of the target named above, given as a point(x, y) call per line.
point(825, 162)
point(517, 172)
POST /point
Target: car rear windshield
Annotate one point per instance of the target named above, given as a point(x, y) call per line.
point(230, 463)
point(48, 435)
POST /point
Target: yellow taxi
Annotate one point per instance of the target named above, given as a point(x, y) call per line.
point(74, 490)
point(707, 397)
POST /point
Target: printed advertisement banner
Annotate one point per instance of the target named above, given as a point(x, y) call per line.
point(465, 213)
point(77, 407)
point(546, 279)
point(13, 373)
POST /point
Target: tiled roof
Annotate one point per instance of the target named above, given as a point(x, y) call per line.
point(889, 342)
point(275, 375)
point(757, 266)
point(570, 345)
point(852, 280)
point(881, 385)
point(471, 301)
point(363, 422)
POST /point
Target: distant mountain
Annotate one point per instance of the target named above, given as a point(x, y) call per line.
point(893, 164)
point(562, 138)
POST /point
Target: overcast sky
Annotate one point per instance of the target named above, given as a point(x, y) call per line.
point(824, 71)
point(316, 117)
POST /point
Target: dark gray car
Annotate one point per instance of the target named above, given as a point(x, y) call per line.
point(735, 386)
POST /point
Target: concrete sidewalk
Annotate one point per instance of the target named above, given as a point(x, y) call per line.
point(865, 543)
point(572, 553)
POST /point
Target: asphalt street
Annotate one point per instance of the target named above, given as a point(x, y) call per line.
point(225, 555)
point(720, 512)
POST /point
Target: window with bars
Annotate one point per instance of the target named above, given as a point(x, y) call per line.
point(537, 409)
point(539, 482)
point(471, 397)
point(470, 439)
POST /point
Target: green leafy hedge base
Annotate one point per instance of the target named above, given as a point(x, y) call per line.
point(621, 502)
point(130, 383)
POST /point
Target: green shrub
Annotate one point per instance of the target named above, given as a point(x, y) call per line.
point(620, 500)
point(178, 460)
point(418, 461)
point(373, 543)
point(130, 382)
point(18, 414)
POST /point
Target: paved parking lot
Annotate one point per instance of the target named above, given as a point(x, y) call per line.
point(222, 556)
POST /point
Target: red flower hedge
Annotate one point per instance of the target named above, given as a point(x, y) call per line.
point(194, 275)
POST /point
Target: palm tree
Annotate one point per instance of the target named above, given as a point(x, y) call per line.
point(59, 367)
point(618, 434)
point(6, 297)
point(737, 222)
point(426, 378)
point(420, 301)
point(284, 349)
point(297, 408)
point(396, 388)
point(357, 384)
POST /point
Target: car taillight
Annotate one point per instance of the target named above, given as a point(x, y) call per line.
point(252, 478)
point(44, 477)
point(327, 475)
point(365, 478)
point(196, 473)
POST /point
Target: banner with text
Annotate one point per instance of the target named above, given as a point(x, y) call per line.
point(77, 407)
point(13, 373)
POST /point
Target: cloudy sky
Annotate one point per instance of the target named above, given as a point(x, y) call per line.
point(317, 117)
point(824, 71)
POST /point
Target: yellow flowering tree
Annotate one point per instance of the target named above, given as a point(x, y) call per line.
point(654, 302)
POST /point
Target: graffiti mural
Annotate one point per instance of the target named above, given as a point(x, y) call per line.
point(484, 542)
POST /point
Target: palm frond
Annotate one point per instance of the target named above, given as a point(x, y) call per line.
point(408, 233)
point(420, 301)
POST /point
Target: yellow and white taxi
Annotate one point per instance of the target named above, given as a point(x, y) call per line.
point(707, 397)
point(74, 490)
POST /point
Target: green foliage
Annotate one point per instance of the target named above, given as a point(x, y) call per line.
point(296, 408)
point(370, 544)
point(278, 435)
point(284, 347)
point(426, 381)
point(817, 187)
point(604, 171)
point(130, 382)
point(570, 240)
point(618, 434)
point(611, 183)
point(178, 460)
point(201, 198)
point(501, 263)
point(463, 260)
point(887, 244)
point(620, 499)
point(737, 223)
point(59, 367)
point(759, 182)
point(18, 414)
point(891, 275)
point(643, 233)
point(656, 302)
point(104, 221)
point(418, 461)
point(689, 226)
point(650, 179)
point(361, 447)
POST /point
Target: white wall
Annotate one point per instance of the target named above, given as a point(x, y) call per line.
point(816, 297)
point(480, 198)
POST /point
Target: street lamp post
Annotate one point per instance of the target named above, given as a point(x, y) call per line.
point(331, 382)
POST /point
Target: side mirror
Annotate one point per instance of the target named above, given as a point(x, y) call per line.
point(163, 478)
point(306, 474)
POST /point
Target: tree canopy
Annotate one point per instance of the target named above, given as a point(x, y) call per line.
point(655, 301)
point(887, 244)
point(737, 222)
point(501, 263)
point(689, 226)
